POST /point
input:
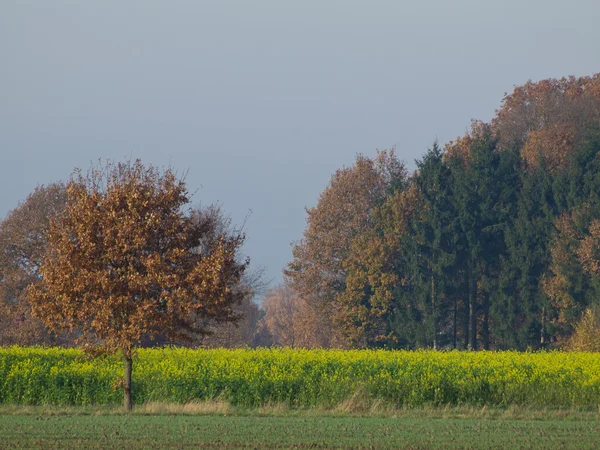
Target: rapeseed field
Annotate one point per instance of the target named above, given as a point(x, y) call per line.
point(303, 378)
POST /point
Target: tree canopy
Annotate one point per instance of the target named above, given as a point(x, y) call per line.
point(491, 243)
point(125, 260)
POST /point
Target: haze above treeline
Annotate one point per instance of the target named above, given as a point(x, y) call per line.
point(263, 101)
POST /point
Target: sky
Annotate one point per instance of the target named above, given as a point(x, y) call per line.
point(261, 102)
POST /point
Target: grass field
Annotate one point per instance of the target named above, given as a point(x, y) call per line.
point(39, 427)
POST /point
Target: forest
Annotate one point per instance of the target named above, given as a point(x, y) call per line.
point(493, 243)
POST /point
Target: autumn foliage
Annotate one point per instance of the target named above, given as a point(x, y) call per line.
point(492, 243)
point(22, 247)
point(125, 261)
point(292, 321)
point(344, 214)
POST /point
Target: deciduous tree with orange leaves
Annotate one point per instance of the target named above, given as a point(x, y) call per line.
point(22, 244)
point(126, 261)
point(345, 212)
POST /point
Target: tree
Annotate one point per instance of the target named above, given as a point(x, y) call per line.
point(344, 213)
point(125, 261)
point(293, 322)
point(23, 242)
point(586, 336)
point(434, 236)
point(378, 306)
point(22, 245)
point(241, 333)
point(484, 188)
point(548, 116)
point(282, 316)
point(520, 309)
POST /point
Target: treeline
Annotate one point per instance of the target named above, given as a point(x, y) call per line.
point(492, 243)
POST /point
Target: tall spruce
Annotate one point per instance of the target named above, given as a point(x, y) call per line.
point(433, 251)
point(521, 306)
point(484, 191)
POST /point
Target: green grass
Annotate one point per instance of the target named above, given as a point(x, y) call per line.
point(88, 428)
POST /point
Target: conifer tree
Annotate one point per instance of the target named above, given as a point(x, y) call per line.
point(520, 307)
point(432, 255)
point(484, 190)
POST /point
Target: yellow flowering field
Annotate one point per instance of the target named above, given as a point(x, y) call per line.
point(303, 378)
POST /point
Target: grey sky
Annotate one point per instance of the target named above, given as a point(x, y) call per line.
point(262, 101)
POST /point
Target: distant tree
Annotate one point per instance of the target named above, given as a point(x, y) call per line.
point(22, 246)
point(245, 331)
point(242, 332)
point(282, 316)
point(291, 321)
point(238, 334)
point(125, 261)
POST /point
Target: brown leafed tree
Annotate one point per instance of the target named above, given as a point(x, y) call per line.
point(344, 212)
point(546, 118)
point(125, 261)
point(573, 278)
point(22, 245)
point(374, 271)
point(293, 322)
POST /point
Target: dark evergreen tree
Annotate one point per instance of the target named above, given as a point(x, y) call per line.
point(520, 304)
point(432, 240)
point(484, 197)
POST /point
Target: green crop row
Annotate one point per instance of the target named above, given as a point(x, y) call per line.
point(303, 378)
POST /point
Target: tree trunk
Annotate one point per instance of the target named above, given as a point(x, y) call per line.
point(454, 324)
point(472, 310)
point(486, 322)
point(543, 330)
point(433, 313)
point(466, 321)
point(127, 383)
